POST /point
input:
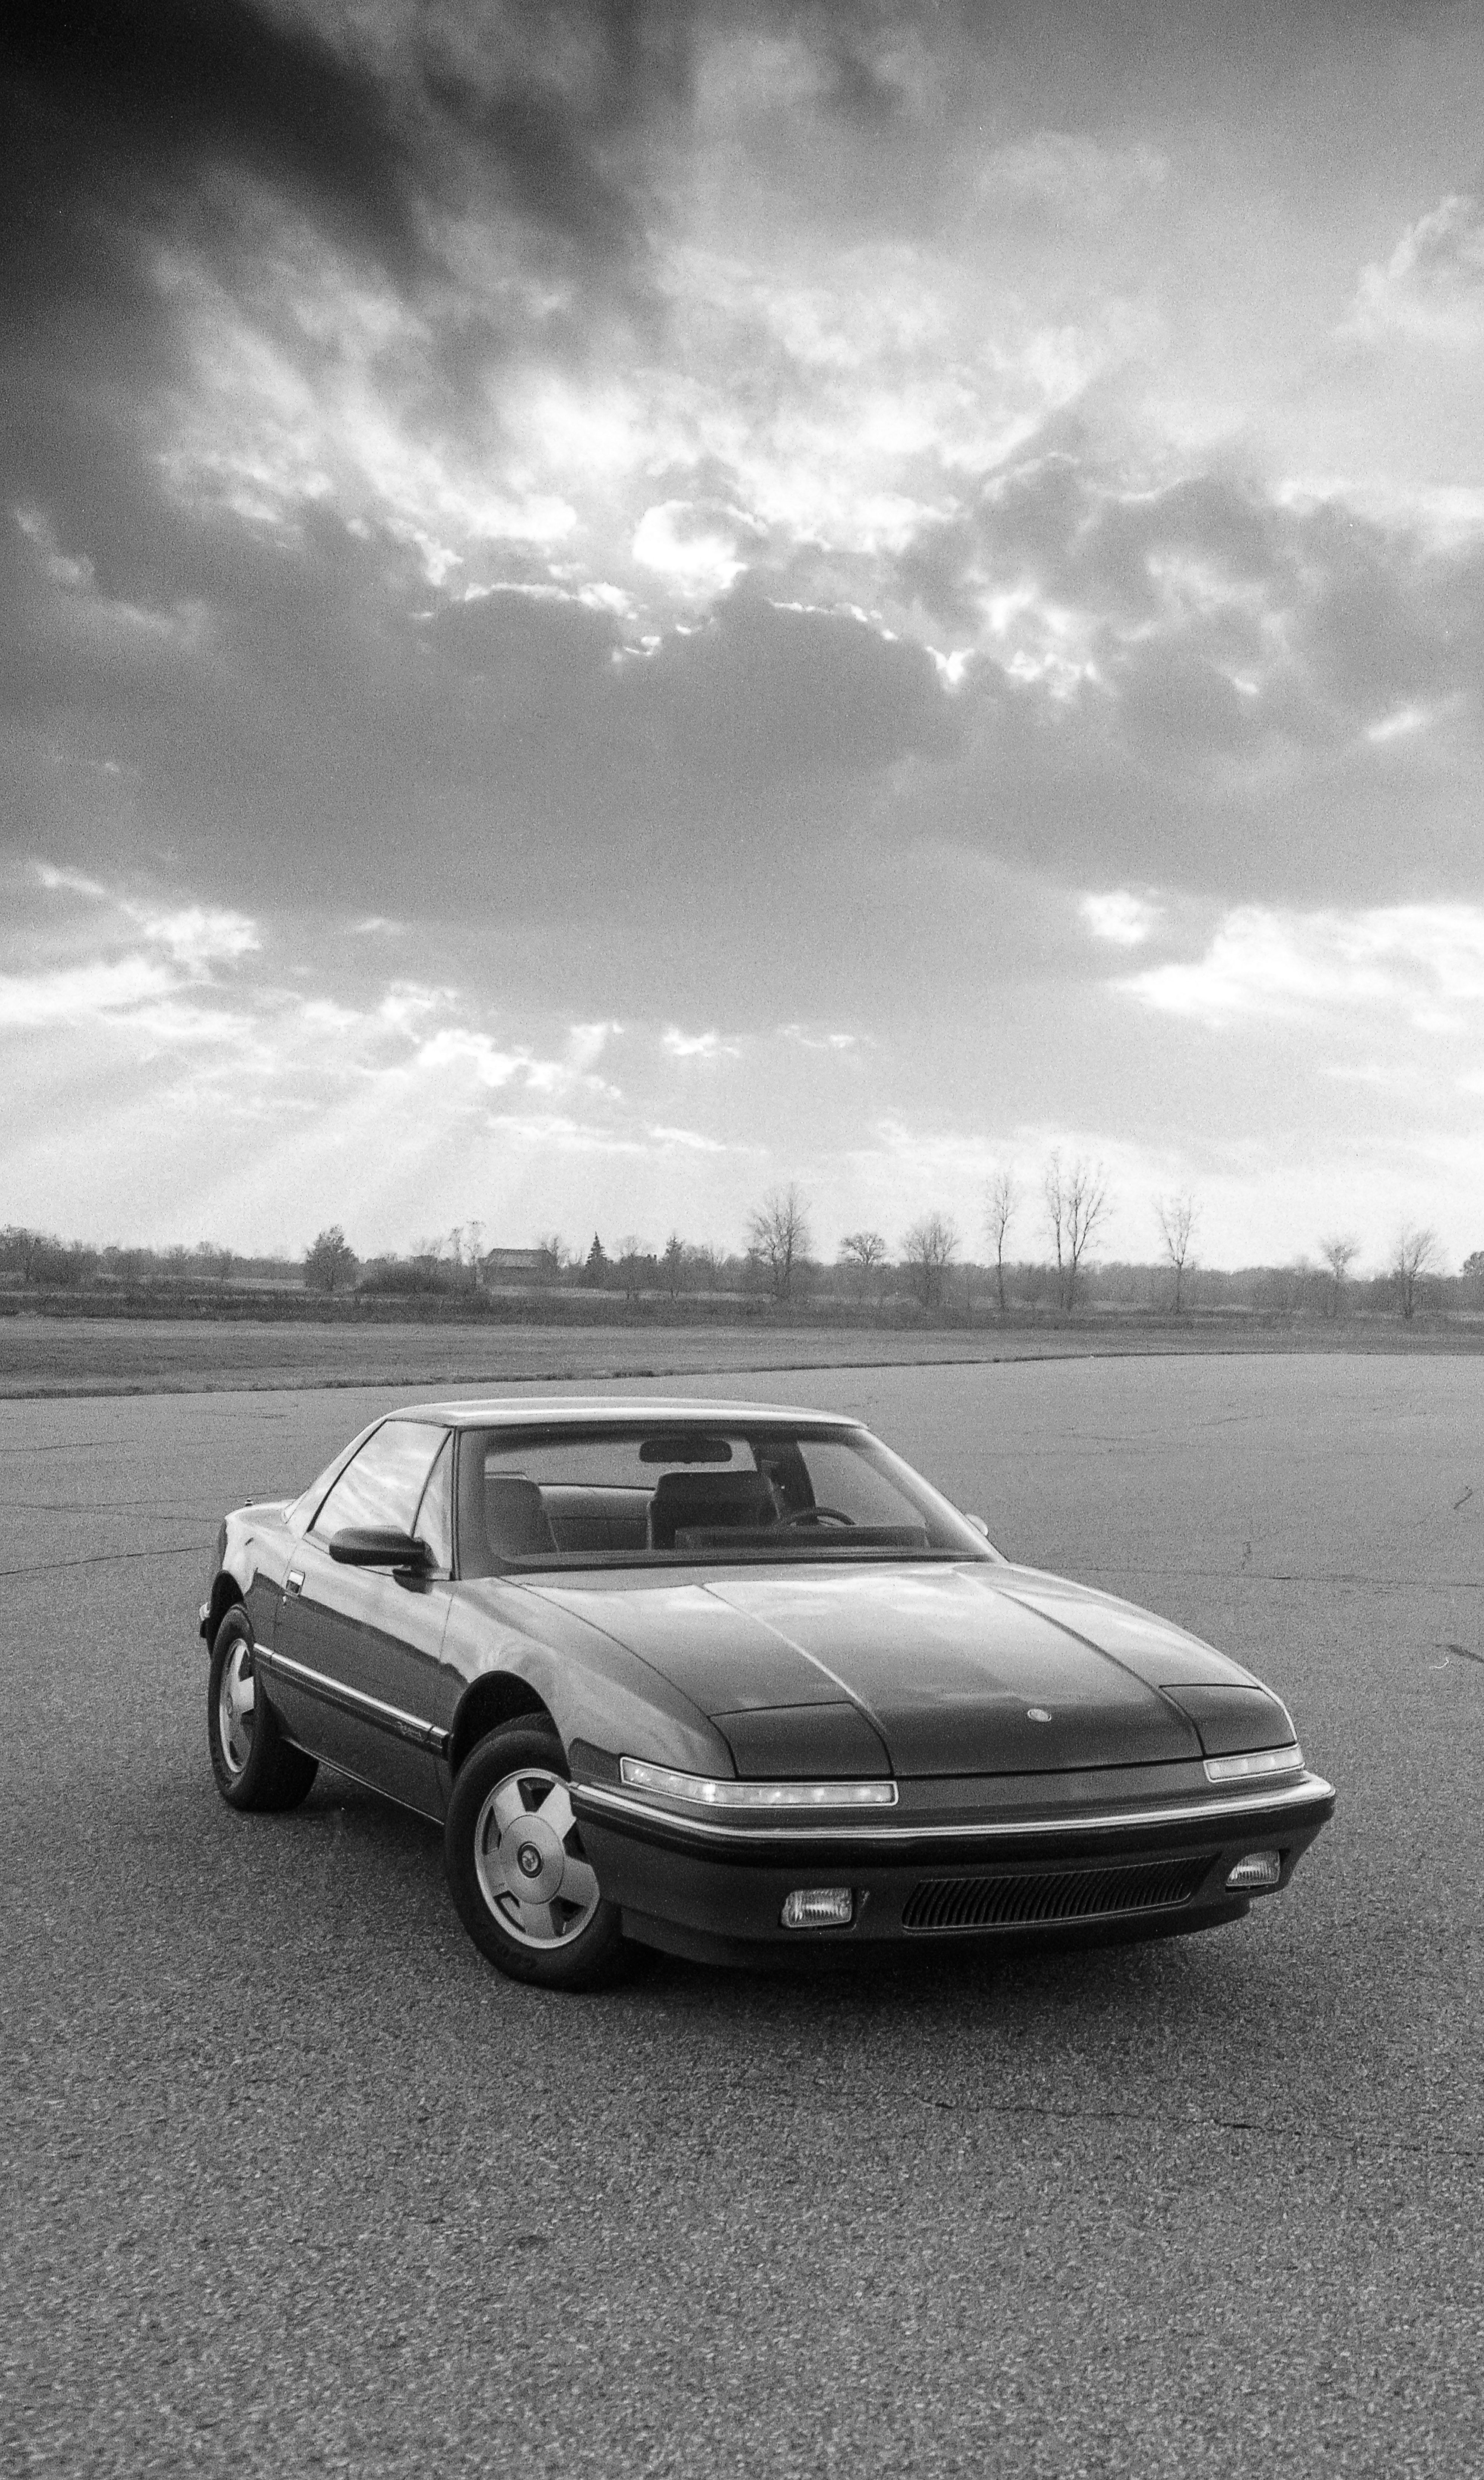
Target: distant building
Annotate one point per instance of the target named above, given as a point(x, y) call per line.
point(517, 1266)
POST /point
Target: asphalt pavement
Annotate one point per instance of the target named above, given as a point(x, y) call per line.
point(294, 2182)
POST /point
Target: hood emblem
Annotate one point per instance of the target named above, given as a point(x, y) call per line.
point(1037, 1714)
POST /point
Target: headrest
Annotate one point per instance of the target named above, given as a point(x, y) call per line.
point(712, 1498)
point(515, 1521)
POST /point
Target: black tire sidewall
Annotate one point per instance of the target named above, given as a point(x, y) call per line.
point(598, 1954)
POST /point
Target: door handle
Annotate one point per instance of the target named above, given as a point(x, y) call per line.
point(294, 1582)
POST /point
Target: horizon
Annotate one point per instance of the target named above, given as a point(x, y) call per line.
point(1361, 1271)
point(613, 608)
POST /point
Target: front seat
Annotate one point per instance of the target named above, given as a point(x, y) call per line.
point(515, 1521)
point(740, 1501)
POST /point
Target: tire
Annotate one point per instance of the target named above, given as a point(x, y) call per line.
point(253, 1763)
point(516, 1869)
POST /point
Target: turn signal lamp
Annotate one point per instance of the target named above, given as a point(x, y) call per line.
point(1257, 1868)
point(666, 1783)
point(819, 1907)
point(1263, 1761)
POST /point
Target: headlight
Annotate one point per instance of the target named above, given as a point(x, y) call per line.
point(1263, 1760)
point(663, 1782)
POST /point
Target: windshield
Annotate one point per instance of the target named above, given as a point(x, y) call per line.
point(679, 1493)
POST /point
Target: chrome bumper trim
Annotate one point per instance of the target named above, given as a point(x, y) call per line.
point(353, 1700)
point(1206, 1812)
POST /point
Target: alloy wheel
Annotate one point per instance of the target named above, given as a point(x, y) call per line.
point(528, 1860)
point(236, 1707)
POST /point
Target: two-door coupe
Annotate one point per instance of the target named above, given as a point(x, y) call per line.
point(733, 1680)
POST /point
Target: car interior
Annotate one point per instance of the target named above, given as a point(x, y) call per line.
point(771, 1507)
point(685, 1510)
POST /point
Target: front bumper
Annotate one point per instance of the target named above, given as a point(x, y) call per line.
point(715, 1888)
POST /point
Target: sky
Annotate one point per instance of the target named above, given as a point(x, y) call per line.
point(605, 607)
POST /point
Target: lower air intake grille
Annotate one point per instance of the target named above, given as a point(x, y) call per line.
point(1062, 1895)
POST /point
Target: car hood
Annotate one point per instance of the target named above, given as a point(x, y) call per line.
point(945, 1664)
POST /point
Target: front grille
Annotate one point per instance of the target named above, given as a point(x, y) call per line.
point(1057, 1895)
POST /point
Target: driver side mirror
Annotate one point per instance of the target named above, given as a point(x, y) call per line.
point(370, 1547)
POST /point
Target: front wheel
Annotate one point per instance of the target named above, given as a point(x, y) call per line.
point(254, 1765)
point(516, 1869)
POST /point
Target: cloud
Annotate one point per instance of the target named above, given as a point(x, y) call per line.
point(68, 882)
point(79, 993)
point(196, 935)
point(1431, 288)
point(701, 548)
point(1072, 173)
point(726, 518)
point(1421, 962)
point(1124, 918)
point(704, 1047)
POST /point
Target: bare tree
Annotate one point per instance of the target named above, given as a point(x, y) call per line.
point(866, 1252)
point(706, 1266)
point(930, 1247)
point(1338, 1255)
point(777, 1234)
point(330, 1263)
point(674, 1263)
point(630, 1262)
point(1002, 1195)
point(1177, 1218)
point(1076, 1207)
point(1417, 1254)
point(213, 1259)
point(24, 1249)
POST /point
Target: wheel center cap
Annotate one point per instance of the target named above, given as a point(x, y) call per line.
point(528, 1860)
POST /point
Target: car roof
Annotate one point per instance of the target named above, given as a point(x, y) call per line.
point(611, 1412)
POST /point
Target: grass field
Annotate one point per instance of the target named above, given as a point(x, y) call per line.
point(42, 1356)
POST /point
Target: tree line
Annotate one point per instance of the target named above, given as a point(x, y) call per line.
point(1067, 1207)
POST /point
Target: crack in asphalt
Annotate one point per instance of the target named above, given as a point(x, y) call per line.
point(106, 1558)
point(1276, 2130)
point(102, 1505)
point(1464, 1652)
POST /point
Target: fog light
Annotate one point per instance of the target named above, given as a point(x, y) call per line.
point(1257, 1868)
point(819, 1907)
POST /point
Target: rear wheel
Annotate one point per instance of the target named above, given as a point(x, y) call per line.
point(520, 1880)
point(253, 1763)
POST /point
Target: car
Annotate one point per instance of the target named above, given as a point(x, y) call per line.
point(733, 1681)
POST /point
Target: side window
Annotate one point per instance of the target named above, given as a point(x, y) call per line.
point(381, 1486)
point(435, 1516)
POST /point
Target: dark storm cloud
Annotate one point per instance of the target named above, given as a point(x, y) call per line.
point(121, 120)
point(294, 695)
point(118, 113)
point(562, 149)
point(137, 125)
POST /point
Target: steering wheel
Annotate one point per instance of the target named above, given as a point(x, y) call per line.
point(817, 1515)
